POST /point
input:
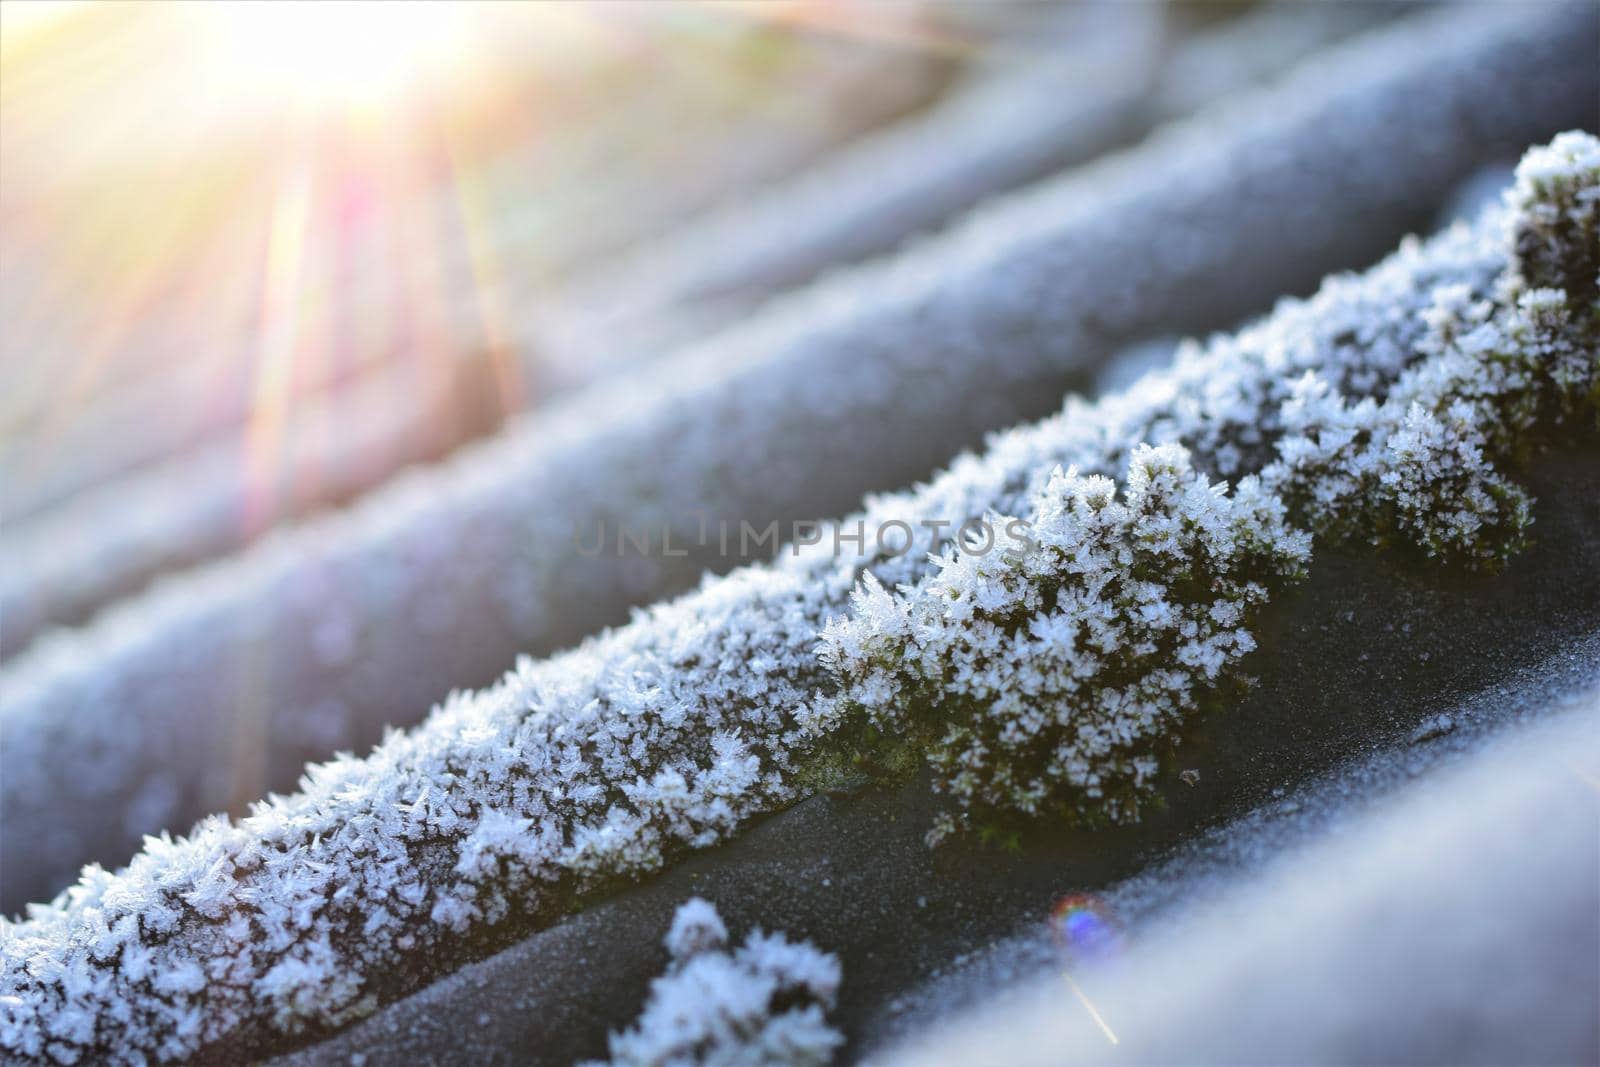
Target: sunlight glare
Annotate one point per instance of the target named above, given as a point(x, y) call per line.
point(322, 53)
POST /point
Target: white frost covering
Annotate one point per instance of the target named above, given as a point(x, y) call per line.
point(763, 1004)
point(1010, 120)
point(1033, 112)
point(1061, 633)
point(670, 732)
point(312, 641)
point(1053, 664)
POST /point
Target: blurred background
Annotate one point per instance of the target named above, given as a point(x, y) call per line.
point(257, 257)
point(219, 215)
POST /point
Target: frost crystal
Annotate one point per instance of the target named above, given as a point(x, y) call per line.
point(1045, 677)
point(762, 1005)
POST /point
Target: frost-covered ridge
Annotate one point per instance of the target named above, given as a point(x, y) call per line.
point(1381, 407)
point(764, 1004)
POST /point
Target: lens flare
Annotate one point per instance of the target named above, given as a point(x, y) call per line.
point(1088, 933)
point(1085, 928)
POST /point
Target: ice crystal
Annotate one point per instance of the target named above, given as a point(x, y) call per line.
point(1047, 675)
point(763, 1004)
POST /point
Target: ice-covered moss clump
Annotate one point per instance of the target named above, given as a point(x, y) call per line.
point(763, 1004)
point(1557, 231)
point(1425, 466)
point(1044, 679)
point(1047, 675)
point(1050, 666)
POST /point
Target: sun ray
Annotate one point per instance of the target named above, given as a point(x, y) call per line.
point(1094, 1013)
point(488, 282)
point(279, 329)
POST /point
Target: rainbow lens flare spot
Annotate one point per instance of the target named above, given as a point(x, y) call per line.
point(1085, 928)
